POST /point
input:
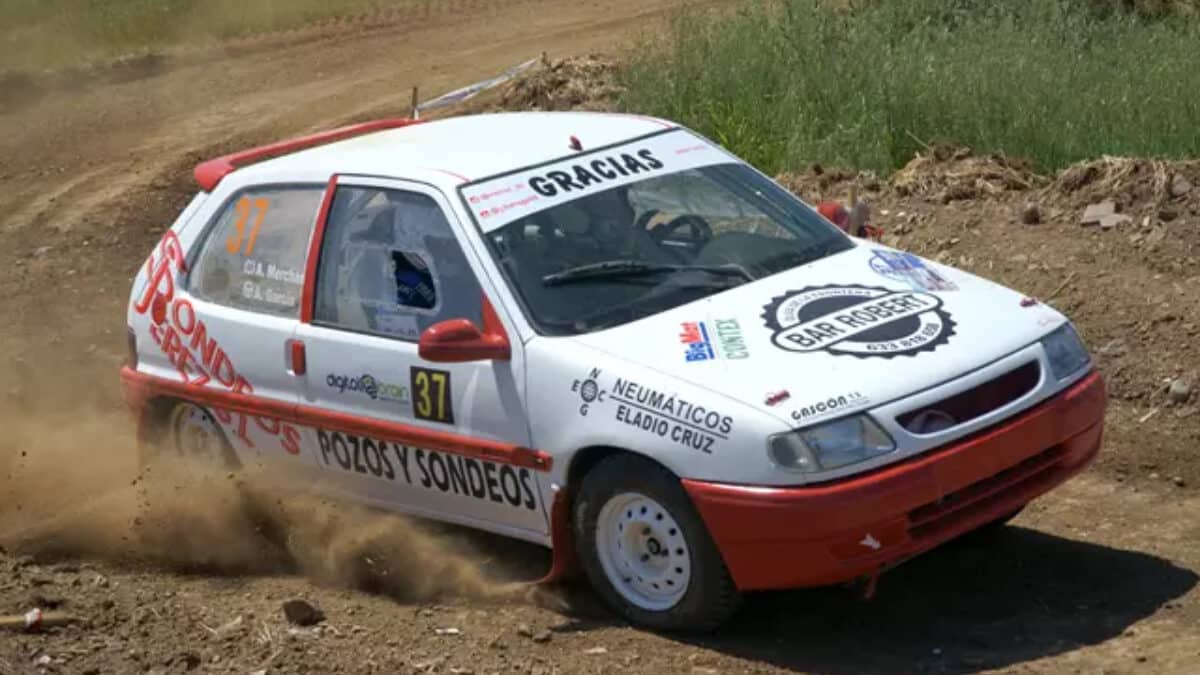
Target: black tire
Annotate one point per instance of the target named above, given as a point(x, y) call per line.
point(710, 597)
point(170, 440)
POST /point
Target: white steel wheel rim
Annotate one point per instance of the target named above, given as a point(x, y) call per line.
point(195, 433)
point(643, 551)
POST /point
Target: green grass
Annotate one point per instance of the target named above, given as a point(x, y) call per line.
point(42, 34)
point(787, 82)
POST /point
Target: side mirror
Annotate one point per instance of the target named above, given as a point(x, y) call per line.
point(458, 341)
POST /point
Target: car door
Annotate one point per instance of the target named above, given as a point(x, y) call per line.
point(239, 308)
point(437, 439)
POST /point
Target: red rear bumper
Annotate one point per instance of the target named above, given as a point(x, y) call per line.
point(826, 534)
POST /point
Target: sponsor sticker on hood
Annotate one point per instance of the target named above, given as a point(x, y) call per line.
point(909, 269)
point(503, 199)
point(706, 340)
point(861, 321)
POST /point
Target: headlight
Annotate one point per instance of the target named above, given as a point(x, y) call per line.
point(1065, 352)
point(831, 445)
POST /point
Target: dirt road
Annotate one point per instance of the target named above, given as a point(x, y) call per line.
point(1098, 577)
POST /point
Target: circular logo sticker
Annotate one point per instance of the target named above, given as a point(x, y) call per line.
point(369, 386)
point(862, 321)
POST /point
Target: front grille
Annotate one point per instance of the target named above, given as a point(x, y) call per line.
point(974, 402)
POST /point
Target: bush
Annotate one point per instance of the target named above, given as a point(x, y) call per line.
point(868, 83)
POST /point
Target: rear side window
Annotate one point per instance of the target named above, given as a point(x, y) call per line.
point(255, 252)
point(391, 265)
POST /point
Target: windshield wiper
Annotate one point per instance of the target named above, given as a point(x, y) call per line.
point(616, 269)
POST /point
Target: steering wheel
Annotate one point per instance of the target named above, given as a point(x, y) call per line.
point(700, 232)
point(645, 217)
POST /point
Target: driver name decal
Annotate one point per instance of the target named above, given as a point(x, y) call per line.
point(497, 201)
point(859, 321)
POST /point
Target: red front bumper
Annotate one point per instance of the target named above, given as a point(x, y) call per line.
point(826, 534)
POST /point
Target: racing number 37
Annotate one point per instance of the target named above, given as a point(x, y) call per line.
point(431, 395)
point(245, 208)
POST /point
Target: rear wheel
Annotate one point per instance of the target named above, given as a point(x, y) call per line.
point(193, 434)
point(646, 550)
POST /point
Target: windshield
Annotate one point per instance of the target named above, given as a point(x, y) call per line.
point(617, 254)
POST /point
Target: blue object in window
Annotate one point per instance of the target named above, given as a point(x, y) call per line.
point(414, 281)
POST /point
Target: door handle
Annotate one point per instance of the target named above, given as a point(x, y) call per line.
point(296, 357)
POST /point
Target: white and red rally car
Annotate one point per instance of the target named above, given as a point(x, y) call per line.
point(606, 335)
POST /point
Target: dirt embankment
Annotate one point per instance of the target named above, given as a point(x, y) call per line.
point(181, 570)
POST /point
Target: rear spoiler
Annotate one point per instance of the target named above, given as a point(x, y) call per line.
point(209, 174)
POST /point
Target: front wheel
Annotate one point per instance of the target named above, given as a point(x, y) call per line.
point(645, 549)
point(193, 434)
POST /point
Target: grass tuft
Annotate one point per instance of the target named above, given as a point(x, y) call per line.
point(868, 83)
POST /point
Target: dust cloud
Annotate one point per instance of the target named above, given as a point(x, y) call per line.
point(71, 486)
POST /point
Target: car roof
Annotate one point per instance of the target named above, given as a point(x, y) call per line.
point(462, 149)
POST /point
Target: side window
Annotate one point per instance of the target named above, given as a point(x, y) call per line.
point(255, 252)
point(390, 265)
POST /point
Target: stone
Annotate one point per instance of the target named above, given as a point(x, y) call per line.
point(1179, 391)
point(186, 660)
point(1031, 214)
point(227, 631)
point(524, 630)
point(429, 665)
point(1094, 212)
point(542, 636)
point(1108, 222)
point(1180, 185)
point(301, 613)
point(46, 601)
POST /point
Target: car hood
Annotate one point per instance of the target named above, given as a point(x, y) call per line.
point(851, 331)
